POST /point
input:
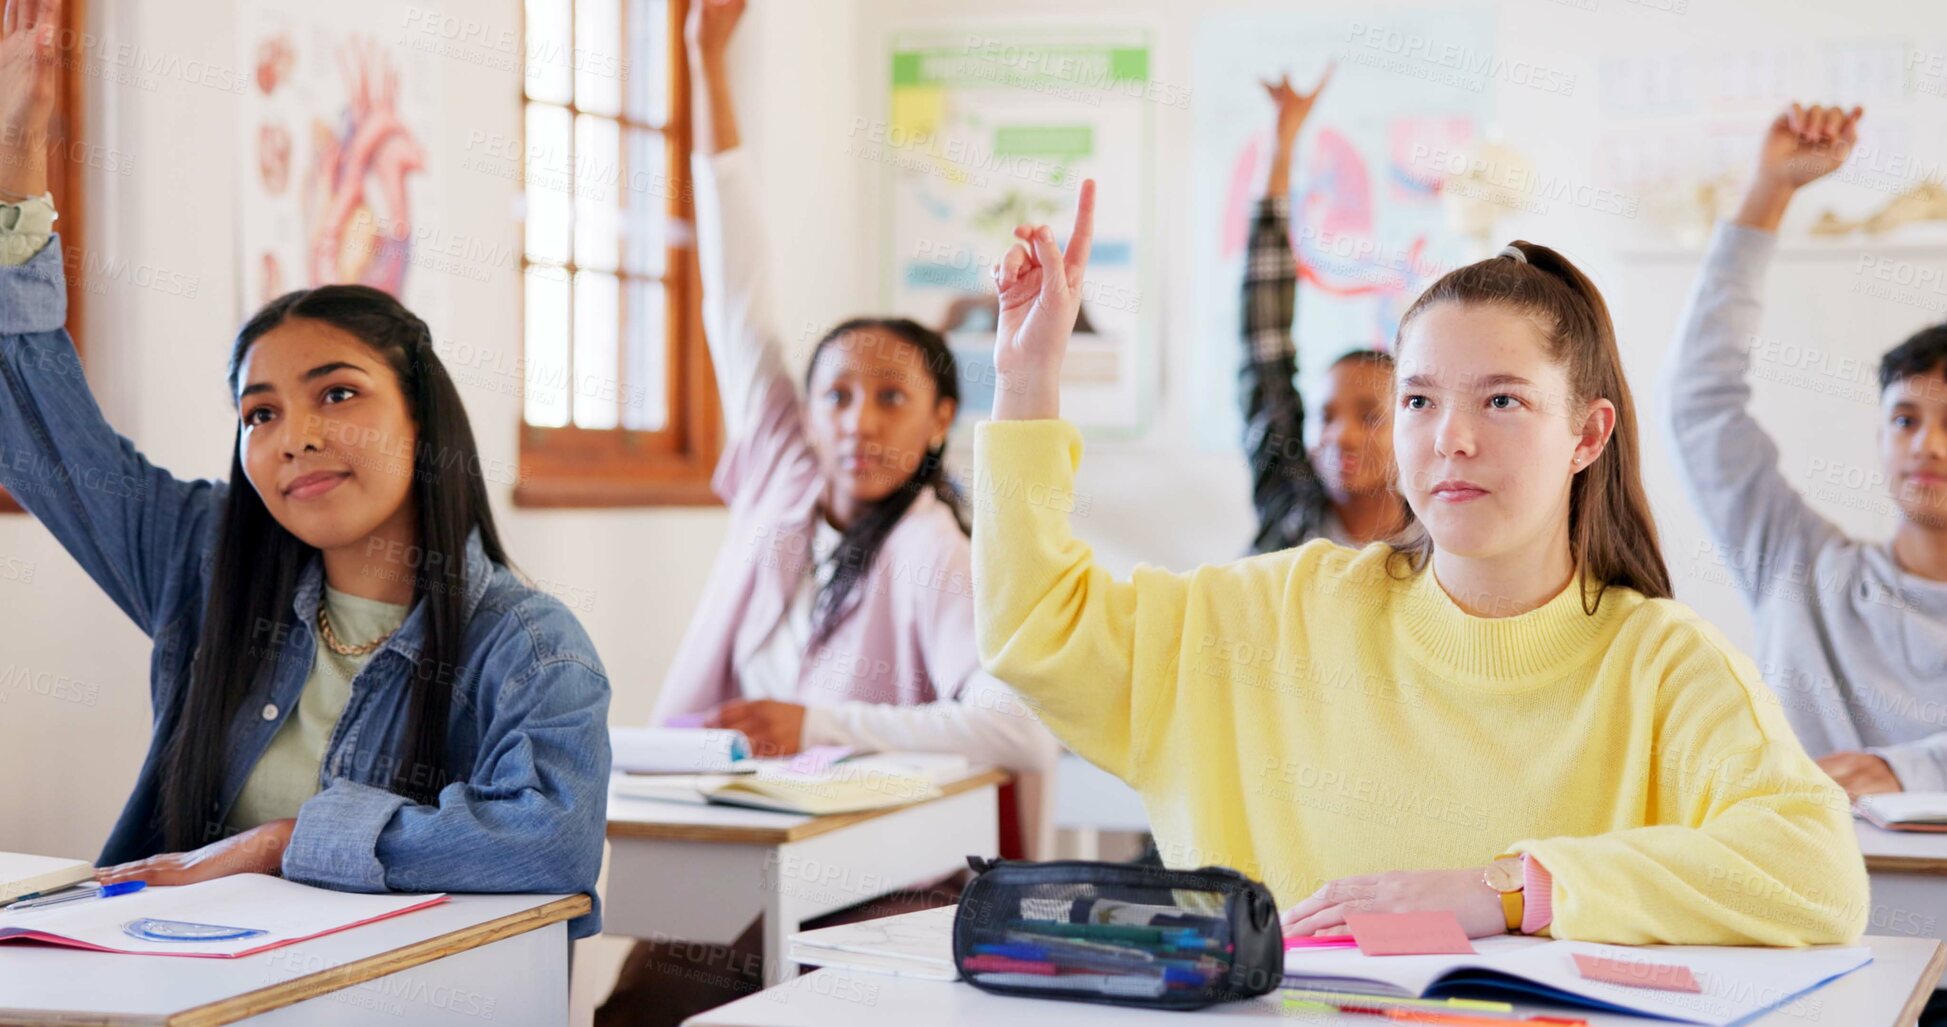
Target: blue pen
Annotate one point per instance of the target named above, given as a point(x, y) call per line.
point(101, 891)
point(1014, 950)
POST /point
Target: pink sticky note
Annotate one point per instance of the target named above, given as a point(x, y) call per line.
point(1637, 974)
point(1314, 941)
point(1424, 933)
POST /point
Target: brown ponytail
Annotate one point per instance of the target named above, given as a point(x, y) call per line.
point(1611, 535)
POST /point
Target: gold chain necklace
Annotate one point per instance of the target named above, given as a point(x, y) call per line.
point(331, 640)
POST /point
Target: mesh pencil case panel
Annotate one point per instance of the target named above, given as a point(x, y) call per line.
point(1117, 933)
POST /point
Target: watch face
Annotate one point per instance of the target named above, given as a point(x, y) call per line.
point(1504, 875)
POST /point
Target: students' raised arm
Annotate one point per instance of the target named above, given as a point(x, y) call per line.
point(738, 318)
point(1282, 475)
point(131, 525)
point(1729, 461)
point(1049, 622)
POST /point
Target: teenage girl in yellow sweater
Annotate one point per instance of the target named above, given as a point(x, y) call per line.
point(1504, 715)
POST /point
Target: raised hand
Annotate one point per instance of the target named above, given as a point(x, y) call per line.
point(707, 30)
point(1293, 106)
point(27, 89)
point(1040, 291)
point(1802, 145)
point(1806, 143)
point(709, 26)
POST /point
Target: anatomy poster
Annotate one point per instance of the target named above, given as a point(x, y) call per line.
point(1367, 220)
point(334, 130)
point(989, 129)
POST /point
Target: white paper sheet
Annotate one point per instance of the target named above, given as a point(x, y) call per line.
point(676, 750)
point(1905, 807)
point(909, 945)
point(282, 910)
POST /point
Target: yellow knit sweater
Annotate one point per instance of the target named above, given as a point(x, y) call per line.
point(1305, 716)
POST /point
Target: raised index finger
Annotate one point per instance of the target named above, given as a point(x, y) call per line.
point(1075, 255)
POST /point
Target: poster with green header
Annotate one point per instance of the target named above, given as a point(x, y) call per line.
point(985, 130)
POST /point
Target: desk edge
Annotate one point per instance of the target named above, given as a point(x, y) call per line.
point(796, 832)
point(1888, 864)
point(372, 967)
point(1923, 989)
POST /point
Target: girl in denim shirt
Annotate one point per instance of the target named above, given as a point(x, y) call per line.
point(350, 687)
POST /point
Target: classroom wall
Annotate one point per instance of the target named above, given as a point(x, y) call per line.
point(1164, 500)
point(807, 67)
point(157, 362)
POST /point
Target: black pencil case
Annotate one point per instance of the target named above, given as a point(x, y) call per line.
point(1117, 933)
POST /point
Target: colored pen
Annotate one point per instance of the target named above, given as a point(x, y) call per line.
point(100, 891)
point(1471, 1019)
point(1180, 937)
point(1101, 984)
point(1356, 998)
point(1329, 941)
point(1003, 964)
point(1399, 1014)
point(1037, 959)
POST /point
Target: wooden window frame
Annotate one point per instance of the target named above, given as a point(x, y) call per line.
point(571, 466)
point(64, 179)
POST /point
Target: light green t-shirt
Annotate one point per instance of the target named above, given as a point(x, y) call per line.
point(287, 774)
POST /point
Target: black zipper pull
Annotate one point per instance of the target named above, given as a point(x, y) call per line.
point(981, 864)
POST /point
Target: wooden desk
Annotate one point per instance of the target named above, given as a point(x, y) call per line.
point(470, 958)
point(703, 873)
point(1888, 991)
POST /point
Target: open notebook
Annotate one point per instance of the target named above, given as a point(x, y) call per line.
point(1904, 811)
point(863, 783)
point(1737, 982)
point(225, 918)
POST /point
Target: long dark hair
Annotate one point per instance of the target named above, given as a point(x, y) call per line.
point(860, 543)
point(1611, 535)
point(256, 564)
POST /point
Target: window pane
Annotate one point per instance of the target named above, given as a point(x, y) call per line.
point(596, 308)
point(598, 172)
point(546, 372)
point(549, 173)
point(598, 67)
point(646, 398)
point(647, 200)
point(547, 51)
point(648, 57)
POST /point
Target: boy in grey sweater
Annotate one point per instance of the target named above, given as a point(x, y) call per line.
point(1852, 635)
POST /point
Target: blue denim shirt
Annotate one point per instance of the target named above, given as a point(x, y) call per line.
point(527, 756)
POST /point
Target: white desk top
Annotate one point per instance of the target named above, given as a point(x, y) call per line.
point(1908, 851)
point(682, 821)
point(1903, 972)
point(42, 981)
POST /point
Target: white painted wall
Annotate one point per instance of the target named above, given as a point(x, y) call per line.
point(808, 67)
